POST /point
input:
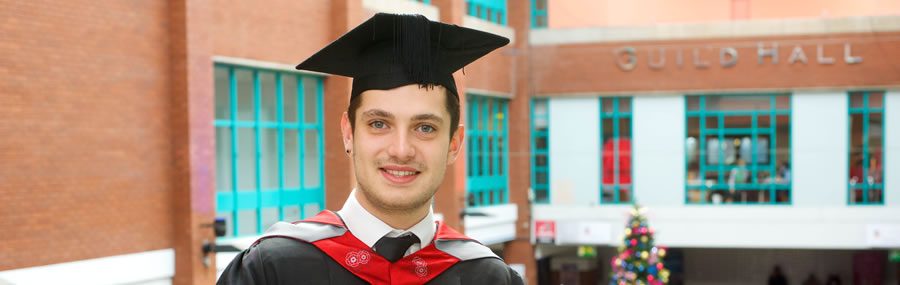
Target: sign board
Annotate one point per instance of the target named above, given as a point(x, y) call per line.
point(583, 233)
point(544, 231)
point(883, 235)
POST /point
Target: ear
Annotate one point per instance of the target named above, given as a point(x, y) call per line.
point(456, 143)
point(347, 133)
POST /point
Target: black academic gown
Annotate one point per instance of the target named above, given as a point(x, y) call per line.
point(321, 250)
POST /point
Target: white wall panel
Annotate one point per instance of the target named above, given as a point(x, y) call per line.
point(892, 149)
point(574, 150)
point(819, 148)
point(658, 149)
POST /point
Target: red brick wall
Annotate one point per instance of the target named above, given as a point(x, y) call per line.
point(283, 31)
point(592, 68)
point(85, 150)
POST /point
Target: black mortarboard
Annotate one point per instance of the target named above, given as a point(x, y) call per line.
point(390, 50)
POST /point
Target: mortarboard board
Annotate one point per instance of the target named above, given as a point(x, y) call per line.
point(390, 50)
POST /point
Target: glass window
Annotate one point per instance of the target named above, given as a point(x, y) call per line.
point(615, 150)
point(488, 10)
point(268, 163)
point(540, 151)
point(738, 149)
point(487, 183)
point(539, 13)
point(866, 154)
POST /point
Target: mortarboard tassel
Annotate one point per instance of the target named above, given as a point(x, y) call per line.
point(415, 48)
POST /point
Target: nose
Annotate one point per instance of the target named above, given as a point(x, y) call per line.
point(401, 147)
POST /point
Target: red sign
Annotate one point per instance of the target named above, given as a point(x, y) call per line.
point(544, 231)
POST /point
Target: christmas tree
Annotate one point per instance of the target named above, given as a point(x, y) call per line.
point(639, 262)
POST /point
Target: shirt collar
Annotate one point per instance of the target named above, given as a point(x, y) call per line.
point(369, 229)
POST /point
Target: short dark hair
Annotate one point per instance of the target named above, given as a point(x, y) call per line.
point(451, 101)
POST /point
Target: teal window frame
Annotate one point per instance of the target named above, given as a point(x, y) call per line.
point(754, 131)
point(866, 111)
point(493, 11)
point(616, 115)
point(487, 184)
point(427, 2)
point(235, 200)
point(540, 191)
point(535, 13)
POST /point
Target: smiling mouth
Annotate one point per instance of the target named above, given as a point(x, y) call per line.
point(399, 176)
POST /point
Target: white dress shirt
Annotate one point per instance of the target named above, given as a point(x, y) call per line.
point(369, 229)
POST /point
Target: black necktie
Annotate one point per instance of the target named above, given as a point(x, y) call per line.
point(393, 249)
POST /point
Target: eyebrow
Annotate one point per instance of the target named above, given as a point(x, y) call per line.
point(387, 115)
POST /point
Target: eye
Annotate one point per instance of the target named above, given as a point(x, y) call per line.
point(426, 129)
point(378, 124)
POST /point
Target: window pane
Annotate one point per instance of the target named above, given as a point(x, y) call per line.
point(246, 159)
point(540, 177)
point(607, 129)
point(540, 160)
point(875, 149)
point(712, 122)
point(876, 100)
point(783, 102)
point(269, 217)
point(764, 121)
point(693, 103)
point(856, 100)
point(267, 97)
point(291, 159)
point(245, 94)
point(291, 213)
point(541, 196)
point(625, 105)
point(734, 122)
point(491, 120)
point(311, 167)
point(606, 105)
point(540, 4)
point(310, 97)
point(491, 155)
point(624, 127)
point(540, 107)
point(737, 103)
point(500, 156)
point(540, 20)
point(268, 164)
point(247, 223)
point(310, 210)
point(783, 139)
point(856, 149)
point(540, 142)
point(223, 97)
point(223, 159)
point(289, 93)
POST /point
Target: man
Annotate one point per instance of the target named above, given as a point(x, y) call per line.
point(402, 131)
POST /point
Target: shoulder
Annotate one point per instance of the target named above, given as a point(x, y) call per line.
point(484, 271)
point(460, 246)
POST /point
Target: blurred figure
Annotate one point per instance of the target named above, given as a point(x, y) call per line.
point(812, 280)
point(784, 173)
point(833, 280)
point(777, 278)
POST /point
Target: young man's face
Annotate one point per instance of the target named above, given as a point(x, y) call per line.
point(401, 146)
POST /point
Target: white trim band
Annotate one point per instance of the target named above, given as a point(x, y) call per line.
point(731, 29)
point(494, 28)
point(403, 7)
point(252, 63)
point(149, 267)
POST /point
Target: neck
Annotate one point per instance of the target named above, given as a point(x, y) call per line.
point(398, 219)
